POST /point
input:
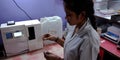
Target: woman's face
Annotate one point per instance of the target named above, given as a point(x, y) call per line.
point(72, 18)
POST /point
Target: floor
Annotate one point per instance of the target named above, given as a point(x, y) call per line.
point(38, 54)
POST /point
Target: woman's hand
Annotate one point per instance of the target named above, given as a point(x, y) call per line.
point(51, 56)
point(49, 37)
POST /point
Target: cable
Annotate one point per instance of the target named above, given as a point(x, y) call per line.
point(22, 9)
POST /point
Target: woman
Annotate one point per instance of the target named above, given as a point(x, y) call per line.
point(82, 43)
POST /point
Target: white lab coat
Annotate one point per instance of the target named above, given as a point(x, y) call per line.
point(83, 45)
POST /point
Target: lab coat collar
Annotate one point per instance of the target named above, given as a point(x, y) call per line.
point(81, 31)
point(84, 28)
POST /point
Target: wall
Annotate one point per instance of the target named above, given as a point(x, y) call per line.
point(34, 8)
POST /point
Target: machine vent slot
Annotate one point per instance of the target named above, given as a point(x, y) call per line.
point(31, 33)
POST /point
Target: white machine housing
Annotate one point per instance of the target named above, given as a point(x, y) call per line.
point(21, 37)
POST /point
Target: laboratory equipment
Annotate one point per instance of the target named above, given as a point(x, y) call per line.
point(14, 39)
point(33, 28)
point(23, 36)
point(112, 34)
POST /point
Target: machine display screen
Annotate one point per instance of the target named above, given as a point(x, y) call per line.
point(17, 34)
point(9, 35)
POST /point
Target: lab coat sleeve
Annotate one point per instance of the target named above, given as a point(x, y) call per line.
point(89, 52)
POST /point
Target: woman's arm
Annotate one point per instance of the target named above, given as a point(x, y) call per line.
point(53, 38)
point(60, 41)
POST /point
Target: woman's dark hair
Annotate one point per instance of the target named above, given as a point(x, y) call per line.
point(78, 6)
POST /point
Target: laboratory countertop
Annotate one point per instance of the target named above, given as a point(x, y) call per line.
point(110, 47)
point(38, 54)
point(58, 50)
